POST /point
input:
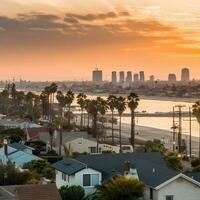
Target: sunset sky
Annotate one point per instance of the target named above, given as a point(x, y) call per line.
point(67, 39)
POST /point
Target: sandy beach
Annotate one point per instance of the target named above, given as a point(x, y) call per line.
point(148, 133)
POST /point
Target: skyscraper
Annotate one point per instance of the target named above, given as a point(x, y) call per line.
point(121, 76)
point(172, 77)
point(129, 77)
point(152, 78)
point(136, 77)
point(142, 77)
point(114, 77)
point(97, 75)
point(185, 74)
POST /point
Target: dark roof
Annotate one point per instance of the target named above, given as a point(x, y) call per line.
point(19, 147)
point(151, 167)
point(69, 166)
point(194, 175)
point(39, 192)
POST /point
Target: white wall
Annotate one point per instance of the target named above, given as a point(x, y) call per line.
point(181, 188)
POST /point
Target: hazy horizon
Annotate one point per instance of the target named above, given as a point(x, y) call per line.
point(66, 40)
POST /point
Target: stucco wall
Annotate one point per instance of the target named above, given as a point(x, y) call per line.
point(181, 188)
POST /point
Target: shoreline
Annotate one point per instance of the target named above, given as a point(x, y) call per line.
point(156, 98)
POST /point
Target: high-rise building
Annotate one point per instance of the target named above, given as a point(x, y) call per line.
point(121, 76)
point(97, 75)
point(185, 74)
point(129, 78)
point(152, 78)
point(172, 77)
point(142, 77)
point(136, 77)
point(114, 77)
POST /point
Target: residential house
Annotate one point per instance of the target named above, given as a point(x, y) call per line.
point(72, 172)
point(18, 154)
point(161, 183)
point(79, 142)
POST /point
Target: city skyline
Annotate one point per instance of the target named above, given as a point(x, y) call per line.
point(65, 40)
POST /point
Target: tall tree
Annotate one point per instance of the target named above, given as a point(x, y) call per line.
point(121, 107)
point(53, 89)
point(62, 103)
point(120, 188)
point(133, 102)
point(45, 103)
point(81, 97)
point(196, 113)
point(112, 103)
point(102, 107)
point(51, 128)
point(69, 100)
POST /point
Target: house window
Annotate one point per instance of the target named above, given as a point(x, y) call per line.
point(86, 180)
point(90, 179)
point(93, 150)
point(63, 177)
point(95, 179)
point(169, 197)
point(151, 193)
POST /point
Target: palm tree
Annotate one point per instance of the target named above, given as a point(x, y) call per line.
point(81, 97)
point(69, 100)
point(93, 110)
point(102, 107)
point(87, 108)
point(133, 101)
point(47, 91)
point(51, 128)
point(196, 113)
point(111, 101)
point(52, 88)
point(62, 103)
point(45, 103)
point(121, 107)
point(29, 101)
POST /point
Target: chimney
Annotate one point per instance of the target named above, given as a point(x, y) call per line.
point(5, 144)
point(127, 166)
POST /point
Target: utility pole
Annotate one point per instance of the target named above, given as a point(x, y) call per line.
point(190, 131)
point(173, 131)
point(180, 127)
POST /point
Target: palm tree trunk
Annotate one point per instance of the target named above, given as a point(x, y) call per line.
point(120, 134)
point(133, 129)
point(81, 117)
point(112, 129)
point(88, 120)
point(199, 140)
point(60, 144)
point(69, 117)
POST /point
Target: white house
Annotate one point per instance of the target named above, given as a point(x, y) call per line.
point(79, 142)
point(160, 182)
point(72, 172)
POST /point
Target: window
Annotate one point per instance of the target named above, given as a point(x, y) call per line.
point(169, 197)
point(86, 180)
point(63, 177)
point(95, 179)
point(90, 179)
point(151, 193)
point(93, 150)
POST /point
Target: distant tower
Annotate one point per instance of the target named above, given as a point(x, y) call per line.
point(129, 78)
point(185, 74)
point(152, 78)
point(114, 77)
point(172, 78)
point(142, 78)
point(121, 76)
point(97, 75)
point(136, 77)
